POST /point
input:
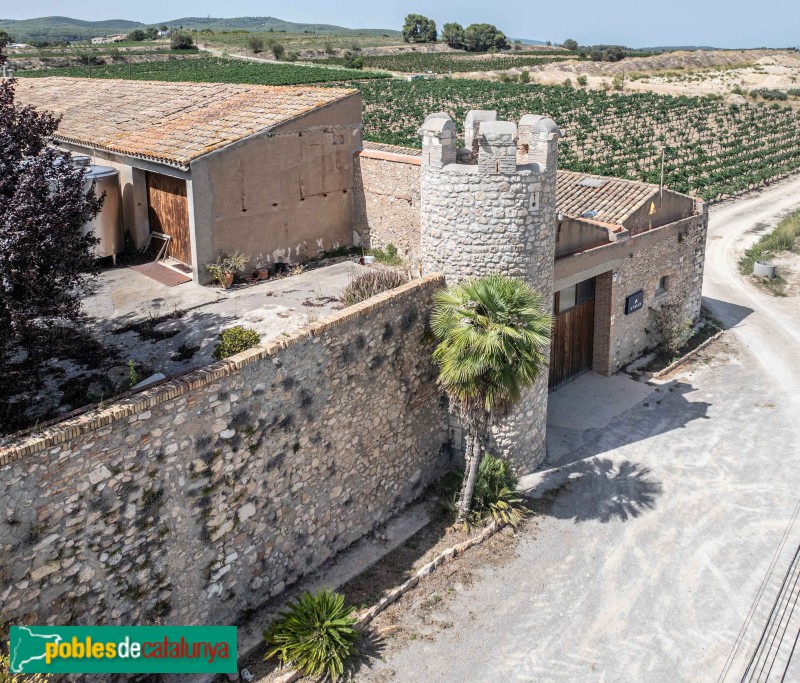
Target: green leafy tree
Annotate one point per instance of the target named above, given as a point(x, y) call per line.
point(484, 37)
point(255, 43)
point(492, 337)
point(570, 44)
point(419, 29)
point(181, 41)
point(352, 60)
point(5, 39)
point(151, 33)
point(278, 50)
point(453, 35)
point(45, 257)
point(137, 35)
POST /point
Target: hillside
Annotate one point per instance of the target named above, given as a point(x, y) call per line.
point(267, 23)
point(64, 28)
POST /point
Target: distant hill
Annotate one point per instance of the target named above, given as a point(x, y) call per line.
point(677, 48)
point(65, 28)
point(527, 41)
point(267, 23)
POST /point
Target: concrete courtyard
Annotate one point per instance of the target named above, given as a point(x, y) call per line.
point(666, 549)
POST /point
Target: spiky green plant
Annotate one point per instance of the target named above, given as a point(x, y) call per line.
point(492, 338)
point(316, 634)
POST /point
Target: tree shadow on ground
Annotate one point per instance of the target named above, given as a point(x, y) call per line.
point(597, 489)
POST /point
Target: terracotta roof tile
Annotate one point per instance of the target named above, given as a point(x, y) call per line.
point(168, 122)
point(614, 199)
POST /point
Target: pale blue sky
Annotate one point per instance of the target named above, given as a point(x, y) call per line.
point(638, 23)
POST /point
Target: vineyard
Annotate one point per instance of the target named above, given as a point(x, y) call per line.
point(437, 62)
point(711, 149)
point(210, 70)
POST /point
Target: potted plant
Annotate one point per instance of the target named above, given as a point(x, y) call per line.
point(227, 267)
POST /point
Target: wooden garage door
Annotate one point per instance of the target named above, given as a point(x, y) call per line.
point(168, 209)
point(573, 333)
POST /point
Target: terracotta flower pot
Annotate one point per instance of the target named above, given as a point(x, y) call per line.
point(227, 280)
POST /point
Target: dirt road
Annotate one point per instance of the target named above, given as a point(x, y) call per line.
point(668, 535)
point(769, 326)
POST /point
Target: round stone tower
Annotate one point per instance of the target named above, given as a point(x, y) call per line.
point(491, 208)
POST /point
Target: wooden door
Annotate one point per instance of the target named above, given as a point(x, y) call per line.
point(168, 210)
point(572, 343)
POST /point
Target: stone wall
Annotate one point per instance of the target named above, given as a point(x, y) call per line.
point(386, 201)
point(199, 499)
point(677, 251)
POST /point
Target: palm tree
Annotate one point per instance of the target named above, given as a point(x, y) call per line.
point(492, 334)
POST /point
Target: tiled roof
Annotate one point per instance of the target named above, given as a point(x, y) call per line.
point(613, 199)
point(576, 193)
point(171, 123)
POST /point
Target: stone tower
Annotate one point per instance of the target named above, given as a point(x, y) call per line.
point(491, 208)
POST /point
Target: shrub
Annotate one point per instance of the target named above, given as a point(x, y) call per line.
point(181, 41)
point(235, 340)
point(525, 77)
point(769, 94)
point(351, 60)
point(316, 634)
point(782, 238)
point(671, 327)
point(495, 494)
point(388, 257)
point(137, 35)
point(228, 263)
point(583, 81)
point(255, 43)
point(278, 50)
point(370, 283)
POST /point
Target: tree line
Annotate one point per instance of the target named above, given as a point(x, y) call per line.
point(474, 38)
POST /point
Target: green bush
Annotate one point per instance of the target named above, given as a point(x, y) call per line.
point(316, 634)
point(181, 41)
point(782, 238)
point(370, 283)
point(388, 256)
point(235, 340)
point(495, 494)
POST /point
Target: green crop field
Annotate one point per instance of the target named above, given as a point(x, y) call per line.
point(211, 70)
point(456, 62)
point(711, 149)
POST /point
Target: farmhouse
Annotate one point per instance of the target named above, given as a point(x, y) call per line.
point(217, 167)
point(199, 498)
point(281, 174)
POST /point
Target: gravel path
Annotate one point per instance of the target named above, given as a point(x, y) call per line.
point(664, 545)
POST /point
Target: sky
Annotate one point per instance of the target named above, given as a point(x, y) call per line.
point(636, 23)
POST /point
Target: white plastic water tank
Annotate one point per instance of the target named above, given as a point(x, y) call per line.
point(107, 225)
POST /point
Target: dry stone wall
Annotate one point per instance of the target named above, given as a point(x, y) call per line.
point(198, 500)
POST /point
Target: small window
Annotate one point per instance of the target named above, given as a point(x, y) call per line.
point(663, 285)
point(523, 148)
point(566, 298)
point(585, 291)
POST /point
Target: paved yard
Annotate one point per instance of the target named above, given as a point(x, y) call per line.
point(667, 549)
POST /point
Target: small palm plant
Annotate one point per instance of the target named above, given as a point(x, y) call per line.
point(492, 338)
point(316, 634)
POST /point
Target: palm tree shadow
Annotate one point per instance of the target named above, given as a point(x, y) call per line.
point(596, 489)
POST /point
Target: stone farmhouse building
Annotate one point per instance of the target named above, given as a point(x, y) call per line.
point(281, 173)
point(197, 499)
point(218, 167)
